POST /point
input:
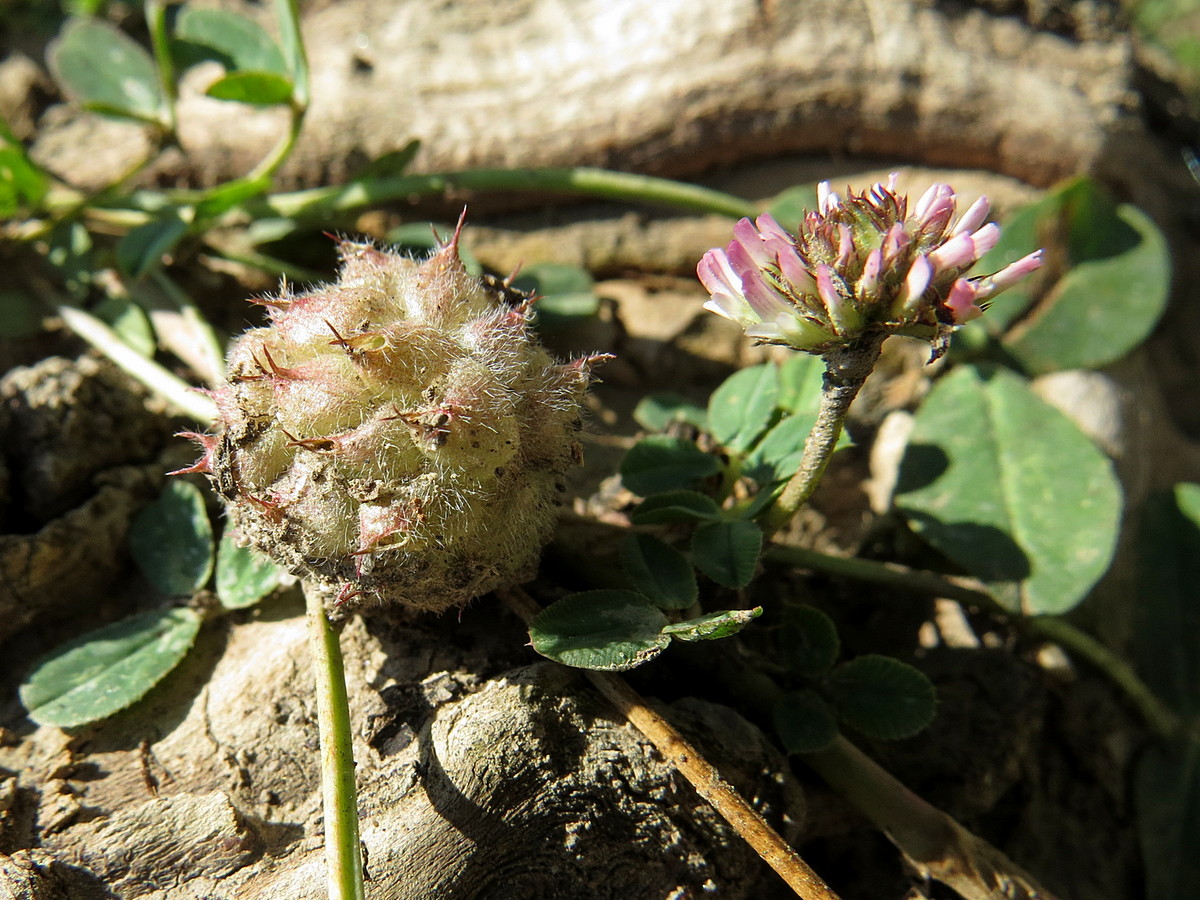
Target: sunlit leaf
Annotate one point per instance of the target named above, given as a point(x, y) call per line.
point(1010, 489)
point(255, 88)
point(104, 671)
point(565, 293)
point(611, 630)
point(244, 576)
point(713, 626)
point(108, 71)
point(236, 42)
point(743, 407)
point(1109, 276)
point(129, 321)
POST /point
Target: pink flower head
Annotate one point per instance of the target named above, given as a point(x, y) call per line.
point(857, 264)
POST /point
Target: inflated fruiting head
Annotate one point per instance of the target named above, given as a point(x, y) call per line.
point(398, 435)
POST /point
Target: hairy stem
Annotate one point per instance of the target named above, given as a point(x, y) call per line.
point(343, 854)
point(700, 773)
point(846, 369)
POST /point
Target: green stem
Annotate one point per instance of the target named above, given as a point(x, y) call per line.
point(322, 203)
point(1160, 718)
point(343, 853)
point(846, 369)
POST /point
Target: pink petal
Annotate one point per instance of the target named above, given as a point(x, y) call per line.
point(716, 274)
point(975, 216)
point(868, 282)
point(961, 301)
point(745, 234)
point(991, 285)
point(936, 204)
point(915, 283)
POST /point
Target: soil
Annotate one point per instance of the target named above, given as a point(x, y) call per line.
point(485, 772)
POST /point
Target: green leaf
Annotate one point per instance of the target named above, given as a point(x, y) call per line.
point(659, 571)
point(882, 697)
point(655, 412)
point(23, 184)
point(659, 463)
point(610, 630)
point(244, 576)
point(255, 88)
point(20, 315)
point(777, 456)
point(713, 626)
point(238, 43)
point(788, 207)
point(1109, 296)
point(801, 383)
point(1167, 800)
point(727, 552)
point(389, 165)
point(172, 540)
point(104, 671)
point(1166, 636)
point(129, 321)
point(742, 408)
point(808, 641)
point(143, 247)
point(565, 293)
point(1010, 489)
point(676, 506)
point(805, 722)
point(107, 71)
point(225, 197)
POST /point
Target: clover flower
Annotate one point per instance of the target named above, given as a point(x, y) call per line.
point(398, 435)
point(857, 265)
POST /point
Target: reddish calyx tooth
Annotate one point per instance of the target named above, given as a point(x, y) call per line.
point(347, 593)
point(273, 368)
point(207, 442)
